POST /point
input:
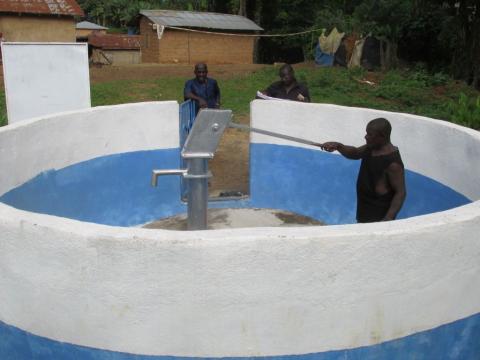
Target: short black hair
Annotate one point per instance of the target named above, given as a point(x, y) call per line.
point(383, 126)
point(286, 67)
point(197, 65)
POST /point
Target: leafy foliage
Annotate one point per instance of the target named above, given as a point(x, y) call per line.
point(3, 110)
point(465, 111)
point(424, 77)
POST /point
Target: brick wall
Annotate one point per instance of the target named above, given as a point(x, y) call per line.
point(122, 57)
point(174, 47)
point(37, 28)
point(148, 41)
point(116, 57)
point(219, 49)
point(189, 48)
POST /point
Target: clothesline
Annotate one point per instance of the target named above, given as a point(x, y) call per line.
point(244, 35)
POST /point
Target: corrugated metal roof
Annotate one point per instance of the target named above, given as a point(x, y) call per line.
point(114, 41)
point(87, 25)
point(200, 20)
point(51, 7)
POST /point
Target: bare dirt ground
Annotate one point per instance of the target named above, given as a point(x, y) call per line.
point(151, 71)
point(100, 74)
point(230, 164)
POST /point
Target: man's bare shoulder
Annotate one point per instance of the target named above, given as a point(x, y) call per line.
point(395, 167)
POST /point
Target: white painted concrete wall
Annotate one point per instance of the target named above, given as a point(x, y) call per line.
point(438, 149)
point(262, 291)
point(35, 145)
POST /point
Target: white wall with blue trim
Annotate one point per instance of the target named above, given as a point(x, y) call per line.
point(80, 289)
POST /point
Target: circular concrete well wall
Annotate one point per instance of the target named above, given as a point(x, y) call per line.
point(79, 279)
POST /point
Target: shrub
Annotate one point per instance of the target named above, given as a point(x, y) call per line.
point(465, 111)
point(439, 79)
point(409, 91)
point(3, 109)
point(424, 77)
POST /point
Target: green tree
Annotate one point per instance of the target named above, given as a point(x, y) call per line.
point(450, 33)
point(465, 21)
point(384, 19)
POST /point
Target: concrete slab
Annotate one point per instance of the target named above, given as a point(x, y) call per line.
point(238, 218)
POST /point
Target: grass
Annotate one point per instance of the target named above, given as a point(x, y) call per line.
point(236, 93)
point(3, 109)
point(413, 92)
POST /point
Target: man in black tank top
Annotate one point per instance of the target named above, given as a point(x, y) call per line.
point(381, 179)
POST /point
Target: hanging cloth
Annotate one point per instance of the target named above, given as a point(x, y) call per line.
point(329, 44)
point(349, 42)
point(357, 53)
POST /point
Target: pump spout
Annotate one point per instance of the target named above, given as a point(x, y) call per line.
point(157, 173)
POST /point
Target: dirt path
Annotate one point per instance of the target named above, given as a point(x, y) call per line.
point(99, 74)
point(230, 164)
point(151, 71)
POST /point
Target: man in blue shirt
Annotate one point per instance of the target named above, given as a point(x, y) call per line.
point(203, 90)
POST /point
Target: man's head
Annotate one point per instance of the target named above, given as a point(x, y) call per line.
point(201, 72)
point(287, 75)
point(378, 133)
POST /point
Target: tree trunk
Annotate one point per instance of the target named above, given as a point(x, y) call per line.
point(242, 8)
point(383, 50)
point(393, 54)
point(475, 59)
point(258, 21)
point(390, 58)
point(461, 66)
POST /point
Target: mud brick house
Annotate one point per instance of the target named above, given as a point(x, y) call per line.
point(165, 37)
point(39, 20)
point(114, 49)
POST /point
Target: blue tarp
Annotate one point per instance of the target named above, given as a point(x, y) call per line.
point(322, 58)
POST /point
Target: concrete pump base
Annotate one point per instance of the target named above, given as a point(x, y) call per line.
point(238, 218)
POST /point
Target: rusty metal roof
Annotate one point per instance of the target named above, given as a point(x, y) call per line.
point(114, 41)
point(41, 7)
point(200, 20)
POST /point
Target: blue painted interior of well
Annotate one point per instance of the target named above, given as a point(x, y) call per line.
point(116, 190)
point(457, 340)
